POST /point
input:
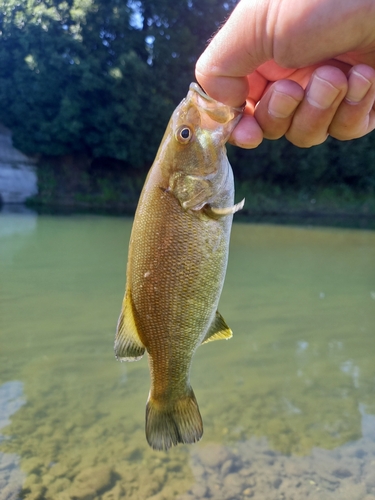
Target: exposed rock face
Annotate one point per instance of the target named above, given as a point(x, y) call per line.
point(18, 179)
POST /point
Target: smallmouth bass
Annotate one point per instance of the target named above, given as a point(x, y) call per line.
point(177, 260)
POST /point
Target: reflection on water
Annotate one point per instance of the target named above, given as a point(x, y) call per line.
point(11, 400)
point(11, 477)
point(16, 223)
point(288, 404)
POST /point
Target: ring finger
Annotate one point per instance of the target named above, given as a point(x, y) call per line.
point(313, 117)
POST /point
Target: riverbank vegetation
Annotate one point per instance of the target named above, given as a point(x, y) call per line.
point(88, 86)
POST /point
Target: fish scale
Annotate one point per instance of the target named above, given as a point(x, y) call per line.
point(177, 261)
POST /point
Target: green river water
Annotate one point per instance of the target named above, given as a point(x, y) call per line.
point(296, 380)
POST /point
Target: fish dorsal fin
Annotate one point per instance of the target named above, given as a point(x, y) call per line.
point(128, 345)
point(218, 330)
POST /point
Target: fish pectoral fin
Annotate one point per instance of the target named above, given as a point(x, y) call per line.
point(128, 345)
point(218, 330)
point(216, 212)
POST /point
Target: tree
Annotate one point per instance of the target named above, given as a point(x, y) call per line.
point(83, 76)
point(100, 79)
point(176, 33)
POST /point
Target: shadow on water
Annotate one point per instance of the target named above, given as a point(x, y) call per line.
point(288, 404)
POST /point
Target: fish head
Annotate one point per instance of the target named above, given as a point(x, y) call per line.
point(193, 154)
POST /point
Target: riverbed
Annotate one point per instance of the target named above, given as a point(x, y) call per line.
point(288, 404)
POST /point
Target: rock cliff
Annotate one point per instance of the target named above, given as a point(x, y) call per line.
point(18, 178)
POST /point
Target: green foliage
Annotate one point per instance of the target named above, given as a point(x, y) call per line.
point(75, 181)
point(71, 81)
point(98, 79)
point(335, 164)
point(180, 31)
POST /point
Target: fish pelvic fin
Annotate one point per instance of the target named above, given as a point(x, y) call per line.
point(128, 345)
point(172, 423)
point(218, 330)
point(217, 213)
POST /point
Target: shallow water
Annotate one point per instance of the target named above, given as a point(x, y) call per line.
point(288, 404)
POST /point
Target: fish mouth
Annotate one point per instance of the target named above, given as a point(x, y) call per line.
point(197, 88)
point(215, 116)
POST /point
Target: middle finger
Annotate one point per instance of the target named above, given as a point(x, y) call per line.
point(324, 93)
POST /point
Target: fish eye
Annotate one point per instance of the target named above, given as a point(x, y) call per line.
point(184, 134)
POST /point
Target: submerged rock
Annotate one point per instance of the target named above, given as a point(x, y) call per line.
point(91, 481)
point(253, 470)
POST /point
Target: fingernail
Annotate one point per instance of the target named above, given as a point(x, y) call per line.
point(321, 93)
point(281, 105)
point(358, 88)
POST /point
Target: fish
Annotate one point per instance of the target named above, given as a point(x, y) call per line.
point(177, 260)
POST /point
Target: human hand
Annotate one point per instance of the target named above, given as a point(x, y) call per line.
point(305, 69)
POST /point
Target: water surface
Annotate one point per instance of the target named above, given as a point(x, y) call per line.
point(288, 404)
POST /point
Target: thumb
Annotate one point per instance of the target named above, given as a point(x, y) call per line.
point(235, 52)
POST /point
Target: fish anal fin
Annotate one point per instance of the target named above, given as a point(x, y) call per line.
point(218, 330)
point(128, 345)
point(168, 424)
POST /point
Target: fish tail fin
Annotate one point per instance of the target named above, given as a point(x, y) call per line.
point(170, 424)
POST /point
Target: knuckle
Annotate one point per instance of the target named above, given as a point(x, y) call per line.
point(273, 134)
point(305, 140)
point(344, 132)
